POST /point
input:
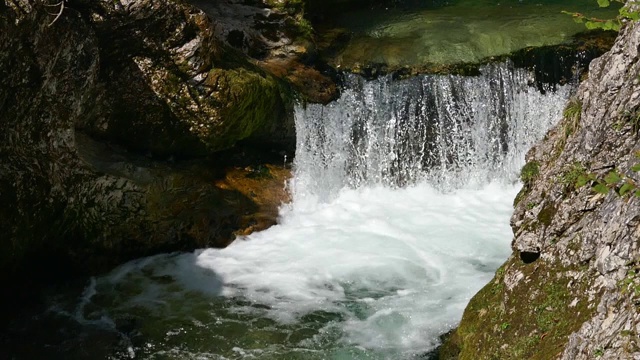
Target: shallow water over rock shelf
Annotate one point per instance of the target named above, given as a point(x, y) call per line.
point(454, 32)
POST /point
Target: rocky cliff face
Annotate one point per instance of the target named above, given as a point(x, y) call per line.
point(119, 126)
point(571, 288)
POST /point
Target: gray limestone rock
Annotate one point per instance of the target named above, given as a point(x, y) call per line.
point(579, 296)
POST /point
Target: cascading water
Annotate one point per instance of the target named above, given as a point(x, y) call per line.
point(402, 196)
point(448, 131)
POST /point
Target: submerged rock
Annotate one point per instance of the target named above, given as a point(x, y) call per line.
point(570, 290)
point(551, 64)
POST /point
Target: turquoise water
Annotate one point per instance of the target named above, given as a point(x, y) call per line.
point(463, 31)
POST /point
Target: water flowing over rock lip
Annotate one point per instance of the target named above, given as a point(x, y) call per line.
point(551, 64)
point(459, 109)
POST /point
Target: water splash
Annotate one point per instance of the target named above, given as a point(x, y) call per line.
point(402, 195)
point(450, 131)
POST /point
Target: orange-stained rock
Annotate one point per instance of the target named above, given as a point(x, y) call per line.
point(265, 186)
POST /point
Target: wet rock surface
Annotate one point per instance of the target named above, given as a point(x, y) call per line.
point(129, 129)
point(578, 297)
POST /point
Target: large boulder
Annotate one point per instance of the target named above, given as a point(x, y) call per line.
point(171, 87)
point(571, 288)
point(114, 116)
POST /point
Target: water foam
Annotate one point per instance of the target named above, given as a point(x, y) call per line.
point(408, 258)
point(450, 131)
point(402, 197)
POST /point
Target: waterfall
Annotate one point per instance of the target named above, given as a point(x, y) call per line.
point(402, 193)
point(450, 131)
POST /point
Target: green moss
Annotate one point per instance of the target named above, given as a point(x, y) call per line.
point(556, 297)
point(526, 322)
point(521, 194)
point(297, 22)
point(529, 172)
point(253, 102)
point(545, 216)
point(524, 345)
point(305, 27)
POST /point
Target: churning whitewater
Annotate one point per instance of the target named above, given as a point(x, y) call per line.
point(402, 194)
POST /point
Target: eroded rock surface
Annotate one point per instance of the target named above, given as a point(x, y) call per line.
point(571, 289)
point(114, 118)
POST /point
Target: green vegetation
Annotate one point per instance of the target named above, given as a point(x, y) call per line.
point(574, 176)
point(631, 118)
point(556, 297)
point(631, 283)
point(624, 14)
point(577, 177)
point(622, 184)
point(628, 121)
point(539, 327)
point(296, 9)
point(572, 116)
point(529, 172)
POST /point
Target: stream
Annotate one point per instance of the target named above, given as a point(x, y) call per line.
point(402, 193)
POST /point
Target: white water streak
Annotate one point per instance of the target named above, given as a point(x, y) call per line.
point(451, 131)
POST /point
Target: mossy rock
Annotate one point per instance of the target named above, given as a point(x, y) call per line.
point(253, 102)
point(529, 172)
point(522, 322)
point(182, 93)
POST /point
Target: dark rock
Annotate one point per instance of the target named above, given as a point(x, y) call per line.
point(103, 112)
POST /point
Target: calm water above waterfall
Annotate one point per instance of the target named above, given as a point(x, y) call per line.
point(458, 31)
point(402, 195)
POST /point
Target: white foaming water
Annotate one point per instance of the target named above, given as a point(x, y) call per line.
point(409, 258)
point(402, 196)
point(449, 131)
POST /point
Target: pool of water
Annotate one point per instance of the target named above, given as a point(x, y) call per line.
point(457, 31)
point(401, 198)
